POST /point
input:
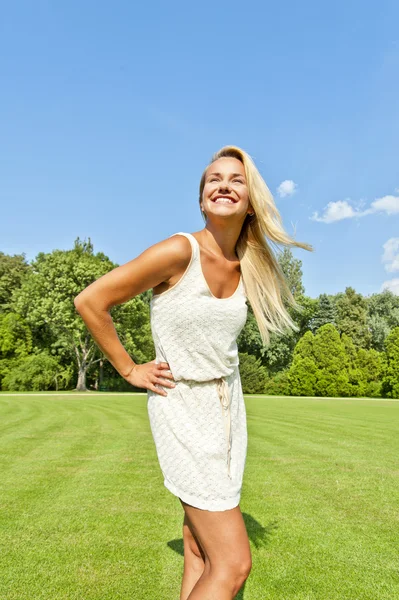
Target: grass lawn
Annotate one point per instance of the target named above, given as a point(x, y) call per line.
point(84, 514)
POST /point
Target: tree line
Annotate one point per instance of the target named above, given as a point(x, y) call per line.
point(347, 344)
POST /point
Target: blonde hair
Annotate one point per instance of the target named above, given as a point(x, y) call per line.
point(264, 280)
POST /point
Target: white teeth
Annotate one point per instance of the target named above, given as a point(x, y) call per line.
point(225, 200)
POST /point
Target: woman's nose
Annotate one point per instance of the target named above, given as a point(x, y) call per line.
point(224, 185)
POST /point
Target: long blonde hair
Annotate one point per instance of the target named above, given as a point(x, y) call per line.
point(265, 284)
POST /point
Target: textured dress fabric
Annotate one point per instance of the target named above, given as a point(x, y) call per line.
point(200, 427)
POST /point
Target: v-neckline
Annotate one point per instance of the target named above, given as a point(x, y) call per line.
point(204, 278)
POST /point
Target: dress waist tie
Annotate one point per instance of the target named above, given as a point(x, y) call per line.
point(225, 399)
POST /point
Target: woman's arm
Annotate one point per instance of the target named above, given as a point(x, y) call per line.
point(155, 265)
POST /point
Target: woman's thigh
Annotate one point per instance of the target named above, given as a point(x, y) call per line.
point(222, 536)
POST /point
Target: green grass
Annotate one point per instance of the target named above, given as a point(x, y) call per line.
point(84, 514)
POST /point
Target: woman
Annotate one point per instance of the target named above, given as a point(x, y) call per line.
point(201, 283)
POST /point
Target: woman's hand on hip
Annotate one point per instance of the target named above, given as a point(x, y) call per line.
point(149, 375)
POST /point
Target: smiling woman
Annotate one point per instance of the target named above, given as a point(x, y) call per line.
point(201, 284)
point(221, 177)
point(232, 169)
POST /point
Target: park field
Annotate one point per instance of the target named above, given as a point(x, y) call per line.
point(84, 514)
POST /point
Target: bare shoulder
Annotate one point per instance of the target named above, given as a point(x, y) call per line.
point(156, 267)
point(174, 251)
point(177, 251)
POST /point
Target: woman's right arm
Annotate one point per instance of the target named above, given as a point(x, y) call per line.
point(155, 265)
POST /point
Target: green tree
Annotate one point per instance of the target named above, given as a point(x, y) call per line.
point(132, 323)
point(364, 369)
point(45, 301)
point(15, 342)
point(249, 341)
point(370, 365)
point(277, 356)
point(383, 315)
point(253, 375)
point(325, 313)
point(303, 377)
point(13, 270)
point(278, 384)
point(292, 269)
point(15, 336)
point(36, 372)
point(305, 317)
point(305, 347)
point(390, 384)
point(379, 329)
point(386, 305)
point(351, 317)
point(350, 351)
point(331, 362)
point(303, 370)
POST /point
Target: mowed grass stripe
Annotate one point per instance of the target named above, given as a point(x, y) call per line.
point(84, 513)
point(335, 496)
point(79, 488)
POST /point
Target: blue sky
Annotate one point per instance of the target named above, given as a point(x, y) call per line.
point(109, 111)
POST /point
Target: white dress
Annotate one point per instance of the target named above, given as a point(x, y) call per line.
point(200, 427)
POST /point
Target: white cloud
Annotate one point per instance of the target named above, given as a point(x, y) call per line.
point(392, 286)
point(391, 255)
point(388, 204)
point(287, 188)
point(342, 209)
point(335, 211)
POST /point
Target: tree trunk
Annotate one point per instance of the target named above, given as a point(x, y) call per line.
point(81, 385)
point(101, 373)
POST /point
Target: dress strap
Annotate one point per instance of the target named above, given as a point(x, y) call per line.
point(192, 240)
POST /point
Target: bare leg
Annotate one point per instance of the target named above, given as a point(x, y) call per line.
point(194, 560)
point(223, 539)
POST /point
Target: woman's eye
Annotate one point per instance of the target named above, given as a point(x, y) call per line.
point(238, 180)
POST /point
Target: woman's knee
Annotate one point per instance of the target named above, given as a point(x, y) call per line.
point(235, 569)
point(246, 568)
point(223, 540)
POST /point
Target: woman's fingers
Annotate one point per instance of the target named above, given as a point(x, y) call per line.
point(163, 371)
point(165, 382)
point(157, 390)
point(163, 377)
point(164, 374)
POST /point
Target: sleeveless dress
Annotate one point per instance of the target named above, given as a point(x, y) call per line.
point(200, 427)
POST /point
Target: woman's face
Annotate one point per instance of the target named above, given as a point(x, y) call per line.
point(225, 190)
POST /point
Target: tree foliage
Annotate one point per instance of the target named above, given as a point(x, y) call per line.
point(391, 365)
point(37, 372)
point(292, 269)
point(13, 270)
point(351, 317)
point(253, 375)
point(347, 345)
point(325, 313)
point(326, 364)
point(383, 315)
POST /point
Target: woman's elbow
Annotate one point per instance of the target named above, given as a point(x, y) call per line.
point(83, 300)
point(79, 302)
point(87, 302)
